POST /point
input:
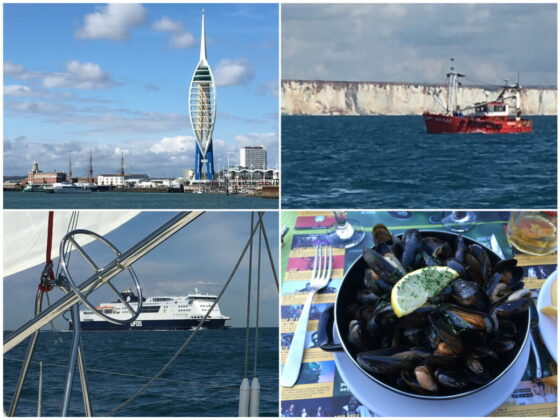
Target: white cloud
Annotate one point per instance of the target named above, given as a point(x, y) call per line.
point(78, 76)
point(167, 24)
point(182, 40)
point(179, 37)
point(12, 68)
point(233, 72)
point(113, 21)
point(178, 144)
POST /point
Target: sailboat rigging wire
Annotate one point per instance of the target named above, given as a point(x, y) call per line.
point(260, 214)
point(258, 304)
point(190, 338)
point(248, 317)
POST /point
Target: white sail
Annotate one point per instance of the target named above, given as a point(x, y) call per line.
point(25, 233)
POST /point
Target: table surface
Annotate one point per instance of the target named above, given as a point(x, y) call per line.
point(320, 390)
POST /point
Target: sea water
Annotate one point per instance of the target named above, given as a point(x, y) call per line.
point(129, 200)
point(390, 162)
point(203, 381)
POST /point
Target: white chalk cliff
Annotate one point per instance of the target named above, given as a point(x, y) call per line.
point(375, 98)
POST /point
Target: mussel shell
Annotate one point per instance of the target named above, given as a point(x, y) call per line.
point(383, 268)
point(418, 318)
point(381, 234)
point(482, 256)
point(386, 361)
point(458, 267)
point(412, 245)
point(420, 380)
point(474, 270)
point(367, 297)
point(502, 346)
point(446, 333)
point(510, 308)
point(451, 378)
point(460, 249)
point(356, 335)
point(479, 372)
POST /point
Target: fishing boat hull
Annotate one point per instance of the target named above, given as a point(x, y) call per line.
point(147, 325)
point(448, 124)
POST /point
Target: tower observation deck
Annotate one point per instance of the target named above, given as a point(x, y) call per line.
point(202, 113)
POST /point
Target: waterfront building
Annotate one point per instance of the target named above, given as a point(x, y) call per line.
point(202, 113)
point(252, 157)
point(38, 177)
point(253, 177)
point(119, 180)
point(115, 180)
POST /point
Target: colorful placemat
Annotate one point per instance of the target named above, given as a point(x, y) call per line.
point(320, 390)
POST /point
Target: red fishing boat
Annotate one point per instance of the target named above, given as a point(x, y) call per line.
point(500, 116)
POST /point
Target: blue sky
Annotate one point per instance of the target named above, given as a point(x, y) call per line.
point(201, 255)
point(114, 78)
point(399, 42)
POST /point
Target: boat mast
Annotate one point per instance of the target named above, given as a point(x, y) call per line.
point(452, 82)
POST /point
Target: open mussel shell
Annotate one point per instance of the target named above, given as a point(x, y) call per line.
point(439, 345)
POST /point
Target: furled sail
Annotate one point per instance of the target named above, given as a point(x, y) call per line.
point(25, 233)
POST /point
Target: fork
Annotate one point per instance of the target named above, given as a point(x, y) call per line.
point(322, 270)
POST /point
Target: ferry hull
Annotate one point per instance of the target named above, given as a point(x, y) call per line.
point(146, 325)
point(447, 124)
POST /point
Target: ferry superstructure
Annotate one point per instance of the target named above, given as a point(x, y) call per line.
point(157, 313)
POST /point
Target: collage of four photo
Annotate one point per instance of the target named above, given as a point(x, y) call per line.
point(280, 209)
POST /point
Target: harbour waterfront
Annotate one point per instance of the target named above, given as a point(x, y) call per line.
point(209, 371)
point(128, 200)
point(390, 162)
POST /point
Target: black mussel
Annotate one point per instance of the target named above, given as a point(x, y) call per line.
point(510, 273)
point(367, 297)
point(381, 234)
point(451, 378)
point(356, 336)
point(387, 253)
point(458, 267)
point(484, 351)
point(507, 329)
point(484, 260)
point(516, 303)
point(418, 318)
point(502, 346)
point(385, 316)
point(414, 335)
point(431, 337)
point(434, 359)
point(420, 379)
point(446, 333)
point(444, 295)
point(386, 361)
point(467, 319)
point(464, 292)
point(474, 270)
point(383, 268)
point(437, 248)
point(430, 261)
point(460, 249)
point(479, 372)
point(412, 247)
point(362, 312)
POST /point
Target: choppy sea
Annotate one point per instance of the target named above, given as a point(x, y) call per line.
point(128, 200)
point(203, 381)
point(390, 162)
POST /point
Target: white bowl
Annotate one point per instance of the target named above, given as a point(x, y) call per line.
point(547, 325)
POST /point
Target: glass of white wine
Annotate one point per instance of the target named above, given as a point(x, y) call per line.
point(533, 232)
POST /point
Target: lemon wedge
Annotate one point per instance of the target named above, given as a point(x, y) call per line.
point(415, 288)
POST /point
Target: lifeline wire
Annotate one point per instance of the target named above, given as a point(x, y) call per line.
point(258, 304)
point(187, 342)
point(246, 367)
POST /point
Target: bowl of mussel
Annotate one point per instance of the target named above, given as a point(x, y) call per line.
point(466, 335)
